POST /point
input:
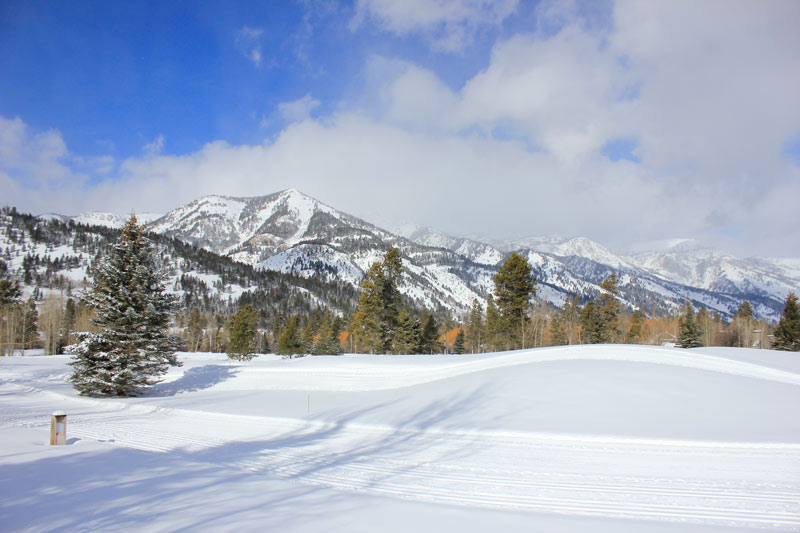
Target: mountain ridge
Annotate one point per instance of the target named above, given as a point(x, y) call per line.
point(292, 233)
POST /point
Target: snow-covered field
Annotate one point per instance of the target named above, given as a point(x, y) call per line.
point(590, 438)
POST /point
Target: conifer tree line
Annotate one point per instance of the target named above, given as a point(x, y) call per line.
point(276, 319)
point(603, 319)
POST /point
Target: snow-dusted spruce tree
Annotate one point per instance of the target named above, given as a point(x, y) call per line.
point(787, 333)
point(690, 335)
point(132, 349)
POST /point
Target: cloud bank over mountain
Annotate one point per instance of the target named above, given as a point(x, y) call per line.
point(635, 122)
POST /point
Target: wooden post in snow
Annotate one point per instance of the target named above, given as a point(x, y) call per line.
point(58, 428)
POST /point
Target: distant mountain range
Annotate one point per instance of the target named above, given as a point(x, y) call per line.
point(292, 233)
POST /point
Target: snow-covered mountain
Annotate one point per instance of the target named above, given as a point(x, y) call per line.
point(477, 251)
point(290, 232)
point(98, 218)
point(681, 269)
point(51, 256)
point(721, 272)
point(95, 218)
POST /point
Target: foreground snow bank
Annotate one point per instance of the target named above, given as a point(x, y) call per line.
point(593, 438)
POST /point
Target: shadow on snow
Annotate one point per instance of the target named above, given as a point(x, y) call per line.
point(194, 379)
point(224, 486)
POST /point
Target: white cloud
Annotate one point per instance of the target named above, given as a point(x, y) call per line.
point(248, 41)
point(563, 95)
point(155, 147)
point(299, 109)
point(707, 92)
point(449, 25)
point(37, 158)
point(719, 79)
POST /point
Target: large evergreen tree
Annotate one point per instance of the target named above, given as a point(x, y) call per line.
point(787, 333)
point(29, 332)
point(375, 320)
point(593, 324)
point(429, 335)
point(513, 289)
point(289, 342)
point(690, 335)
point(10, 291)
point(407, 339)
point(132, 349)
point(610, 307)
point(242, 342)
point(458, 347)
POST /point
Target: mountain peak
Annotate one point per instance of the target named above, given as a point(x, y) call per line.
point(291, 191)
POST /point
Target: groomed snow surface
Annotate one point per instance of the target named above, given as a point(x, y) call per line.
point(589, 438)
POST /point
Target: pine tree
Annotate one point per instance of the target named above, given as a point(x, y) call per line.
point(328, 343)
point(408, 333)
point(787, 333)
point(475, 328)
point(334, 343)
point(10, 291)
point(67, 324)
point(309, 334)
point(690, 335)
point(745, 310)
point(375, 320)
point(594, 324)
point(322, 334)
point(514, 288)
point(458, 348)
point(132, 349)
point(243, 332)
point(29, 333)
point(610, 307)
point(327, 337)
point(392, 268)
point(289, 342)
point(429, 335)
point(494, 325)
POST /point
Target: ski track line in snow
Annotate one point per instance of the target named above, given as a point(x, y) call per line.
point(592, 495)
point(746, 505)
point(435, 467)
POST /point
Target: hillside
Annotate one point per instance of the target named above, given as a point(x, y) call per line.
point(298, 237)
point(600, 438)
point(291, 232)
point(51, 256)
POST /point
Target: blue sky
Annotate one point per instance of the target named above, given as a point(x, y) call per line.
point(116, 75)
point(624, 121)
